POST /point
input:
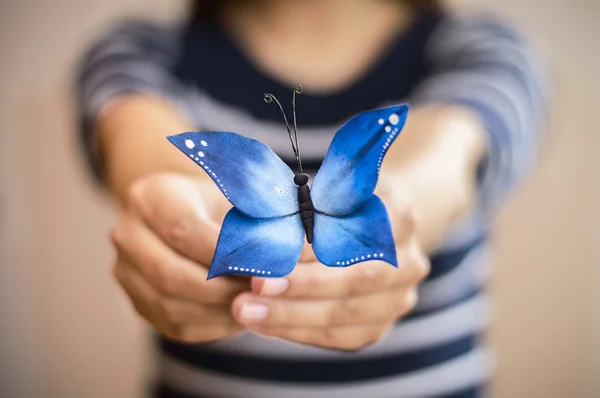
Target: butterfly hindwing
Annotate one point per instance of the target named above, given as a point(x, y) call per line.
point(348, 175)
point(363, 235)
point(250, 175)
point(268, 247)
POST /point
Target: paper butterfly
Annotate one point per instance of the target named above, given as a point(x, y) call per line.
point(274, 208)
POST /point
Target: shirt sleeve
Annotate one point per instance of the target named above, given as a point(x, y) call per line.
point(132, 57)
point(482, 63)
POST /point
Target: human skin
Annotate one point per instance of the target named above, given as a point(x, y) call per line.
point(171, 211)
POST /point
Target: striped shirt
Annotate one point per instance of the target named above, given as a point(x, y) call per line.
point(476, 61)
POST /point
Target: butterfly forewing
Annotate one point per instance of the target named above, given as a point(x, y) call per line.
point(250, 175)
point(348, 175)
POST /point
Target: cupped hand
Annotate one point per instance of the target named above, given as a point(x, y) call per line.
point(342, 308)
point(165, 239)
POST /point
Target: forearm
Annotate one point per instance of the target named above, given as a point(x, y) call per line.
point(432, 168)
point(131, 140)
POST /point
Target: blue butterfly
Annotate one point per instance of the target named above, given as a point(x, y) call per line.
point(274, 208)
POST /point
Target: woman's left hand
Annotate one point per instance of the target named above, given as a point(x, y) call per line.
point(342, 308)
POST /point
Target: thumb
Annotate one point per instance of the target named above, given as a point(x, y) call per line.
point(400, 207)
point(178, 212)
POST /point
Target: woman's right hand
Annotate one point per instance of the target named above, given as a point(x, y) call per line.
point(165, 239)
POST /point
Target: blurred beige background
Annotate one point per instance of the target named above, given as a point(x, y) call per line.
point(67, 331)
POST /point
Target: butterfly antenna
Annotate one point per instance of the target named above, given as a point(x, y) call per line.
point(269, 98)
point(297, 90)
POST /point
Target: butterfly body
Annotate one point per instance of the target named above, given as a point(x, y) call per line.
point(307, 210)
point(274, 209)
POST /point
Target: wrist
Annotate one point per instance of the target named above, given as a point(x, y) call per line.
point(131, 136)
point(432, 170)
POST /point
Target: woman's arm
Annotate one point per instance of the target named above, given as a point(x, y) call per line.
point(474, 128)
point(132, 144)
point(431, 170)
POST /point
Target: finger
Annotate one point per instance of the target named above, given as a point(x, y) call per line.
point(387, 305)
point(342, 337)
point(168, 272)
point(316, 281)
point(166, 311)
point(186, 324)
point(400, 207)
point(313, 280)
point(193, 334)
point(307, 254)
point(143, 297)
point(175, 209)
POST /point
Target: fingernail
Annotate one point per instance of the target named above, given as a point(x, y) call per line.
point(254, 312)
point(274, 287)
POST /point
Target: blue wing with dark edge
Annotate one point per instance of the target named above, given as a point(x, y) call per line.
point(364, 235)
point(348, 175)
point(268, 247)
point(250, 175)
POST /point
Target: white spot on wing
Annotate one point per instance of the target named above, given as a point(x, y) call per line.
point(190, 144)
point(394, 119)
point(203, 143)
point(201, 154)
point(380, 121)
point(388, 129)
